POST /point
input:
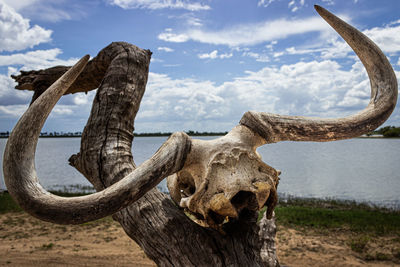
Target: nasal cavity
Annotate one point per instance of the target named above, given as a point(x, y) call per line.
point(245, 199)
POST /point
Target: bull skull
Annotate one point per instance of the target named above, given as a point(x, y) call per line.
point(215, 180)
point(222, 177)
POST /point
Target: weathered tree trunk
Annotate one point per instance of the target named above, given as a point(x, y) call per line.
point(164, 232)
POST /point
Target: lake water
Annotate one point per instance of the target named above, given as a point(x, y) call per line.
point(365, 170)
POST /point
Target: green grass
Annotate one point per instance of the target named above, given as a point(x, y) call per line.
point(337, 215)
point(308, 213)
point(7, 203)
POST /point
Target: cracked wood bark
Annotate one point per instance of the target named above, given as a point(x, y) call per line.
point(164, 232)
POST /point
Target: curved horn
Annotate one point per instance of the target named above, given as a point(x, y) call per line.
point(275, 128)
point(22, 182)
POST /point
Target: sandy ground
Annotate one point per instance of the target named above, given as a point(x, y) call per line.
point(26, 241)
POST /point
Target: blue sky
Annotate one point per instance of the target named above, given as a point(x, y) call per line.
point(212, 60)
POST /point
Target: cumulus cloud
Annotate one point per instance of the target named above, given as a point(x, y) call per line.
point(314, 88)
point(14, 102)
point(248, 34)
point(13, 110)
point(214, 54)
point(16, 32)
point(387, 38)
point(160, 4)
point(10, 96)
point(165, 49)
point(334, 47)
point(38, 59)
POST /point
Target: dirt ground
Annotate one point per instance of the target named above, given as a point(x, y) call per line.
point(26, 241)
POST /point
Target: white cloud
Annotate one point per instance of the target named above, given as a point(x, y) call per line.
point(10, 96)
point(84, 99)
point(38, 59)
point(21, 4)
point(16, 32)
point(295, 5)
point(194, 21)
point(248, 34)
point(165, 49)
point(270, 46)
point(314, 88)
point(214, 54)
point(387, 38)
point(50, 10)
point(62, 110)
point(160, 4)
point(172, 37)
point(15, 111)
point(265, 3)
point(331, 2)
point(154, 60)
point(257, 56)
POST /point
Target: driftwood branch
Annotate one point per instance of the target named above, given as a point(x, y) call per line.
point(105, 157)
point(161, 228)
point(90, 78)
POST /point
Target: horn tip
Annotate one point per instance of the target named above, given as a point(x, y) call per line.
point(86, 57)
point(320, 9)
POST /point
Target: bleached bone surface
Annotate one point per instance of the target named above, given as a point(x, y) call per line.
point(224, 176)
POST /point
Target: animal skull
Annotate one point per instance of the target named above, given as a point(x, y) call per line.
point(222, 177)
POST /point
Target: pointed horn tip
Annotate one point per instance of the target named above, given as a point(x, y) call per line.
point(85, 58)
point(321, 11)
point(317, 7)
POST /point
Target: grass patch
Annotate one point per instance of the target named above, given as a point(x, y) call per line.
point(357, 220)
point(297, 212)
point(359, 244)
point(341, 215)
point(7, 204)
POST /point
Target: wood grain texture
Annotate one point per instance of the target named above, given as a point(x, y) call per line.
point(164, 232)
point(24, 185)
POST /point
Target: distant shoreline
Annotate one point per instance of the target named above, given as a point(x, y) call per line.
point(189, 133)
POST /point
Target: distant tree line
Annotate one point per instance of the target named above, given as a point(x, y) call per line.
point(79, 134)
point(387, 131)
point(191, 133)
point(48, 134)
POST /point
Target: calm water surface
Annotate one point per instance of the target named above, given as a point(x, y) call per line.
point(365, 170)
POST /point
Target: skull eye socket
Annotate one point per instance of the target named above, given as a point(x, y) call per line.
point(186, 185)
point(186, 190)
